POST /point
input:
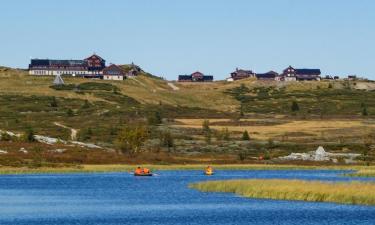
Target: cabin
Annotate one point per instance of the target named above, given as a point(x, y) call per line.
point(291, 74)
point(308, 74)
point(269, 76)
point(241, 74)
point(113, 72)
point(195, 77)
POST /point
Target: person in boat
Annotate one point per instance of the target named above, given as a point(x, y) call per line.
point(138, 170)
point(209, 170)
point(146, 171)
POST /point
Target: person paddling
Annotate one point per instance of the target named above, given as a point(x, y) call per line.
point(146, 171)
point(138, 170)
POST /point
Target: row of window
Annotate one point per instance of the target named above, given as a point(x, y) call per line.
point(49, 72)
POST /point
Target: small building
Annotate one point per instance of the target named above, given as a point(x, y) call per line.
point(352, 77)
point(290, 74)
point(113, 72)
point(271, 75)
point(242, 74)
point(195, 77)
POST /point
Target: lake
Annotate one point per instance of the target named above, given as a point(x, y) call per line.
point(120, 198)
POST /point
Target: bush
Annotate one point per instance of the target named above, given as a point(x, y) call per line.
point(4, 136)
point(29, 135)
point(131, 138)
point(295, 106)
point(154, 118)
point(53, 102)
point(69, 113)
point(166, 139)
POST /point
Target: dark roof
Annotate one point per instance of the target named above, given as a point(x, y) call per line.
point(208, 77)
point(39, 62)
point(184, 77)
point(52, 62)
point(308, 71)
point(269, 75)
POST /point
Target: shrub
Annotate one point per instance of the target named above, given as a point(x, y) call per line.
point(53, 102)
point(69, 113)
point(154, 118)
point(295, 106)
point(4, 136)
point(29, 135)
point(166, 139)
point(131, 138)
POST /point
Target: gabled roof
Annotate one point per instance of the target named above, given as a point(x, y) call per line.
point(96, 56)
point(113, 67)
point(197, 73)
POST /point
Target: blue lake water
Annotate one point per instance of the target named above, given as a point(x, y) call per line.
point(120, 198)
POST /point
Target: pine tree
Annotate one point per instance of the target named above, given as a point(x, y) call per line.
point(245, 136)
point(295, 106)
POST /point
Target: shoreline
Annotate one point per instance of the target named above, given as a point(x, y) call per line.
point(129, 168)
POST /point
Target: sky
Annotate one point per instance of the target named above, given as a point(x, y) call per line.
point(173, 37)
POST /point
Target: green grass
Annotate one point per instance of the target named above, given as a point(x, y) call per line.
point(313, 191)
point(66, 168)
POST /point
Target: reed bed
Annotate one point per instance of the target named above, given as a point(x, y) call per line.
point(314, 191)
point(363, 173)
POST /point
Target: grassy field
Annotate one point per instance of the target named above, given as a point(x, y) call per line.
point(346, 193)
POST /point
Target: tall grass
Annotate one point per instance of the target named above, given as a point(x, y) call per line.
point(363, 173)
point(314, 191)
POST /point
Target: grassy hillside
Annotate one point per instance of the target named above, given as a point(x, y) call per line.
point(329, 114)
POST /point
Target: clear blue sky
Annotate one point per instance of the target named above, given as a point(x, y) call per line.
point(172, 37)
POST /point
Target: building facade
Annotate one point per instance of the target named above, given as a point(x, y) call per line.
point(242, 74)
point(291, 74)
point(91, 67)
point(195, 77)
point(113, 72)
point(270, 76)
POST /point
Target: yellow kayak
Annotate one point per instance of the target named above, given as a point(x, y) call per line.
point(209, 172)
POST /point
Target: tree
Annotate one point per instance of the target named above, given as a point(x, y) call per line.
point(131, 138)
point(155, 118)
point(29, 135)
point(245, 136)
point(69, 113)
point(364, 111)
point(166, 139)
point(86, 104)
point(53, 102)
point(206, 131)
point(295, 106)
point(206, 126)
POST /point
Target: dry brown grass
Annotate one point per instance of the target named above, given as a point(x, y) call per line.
point(313, 127)
point(314, 191)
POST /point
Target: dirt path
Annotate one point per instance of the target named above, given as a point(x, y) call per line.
point(174, 87)
point(73, 132)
